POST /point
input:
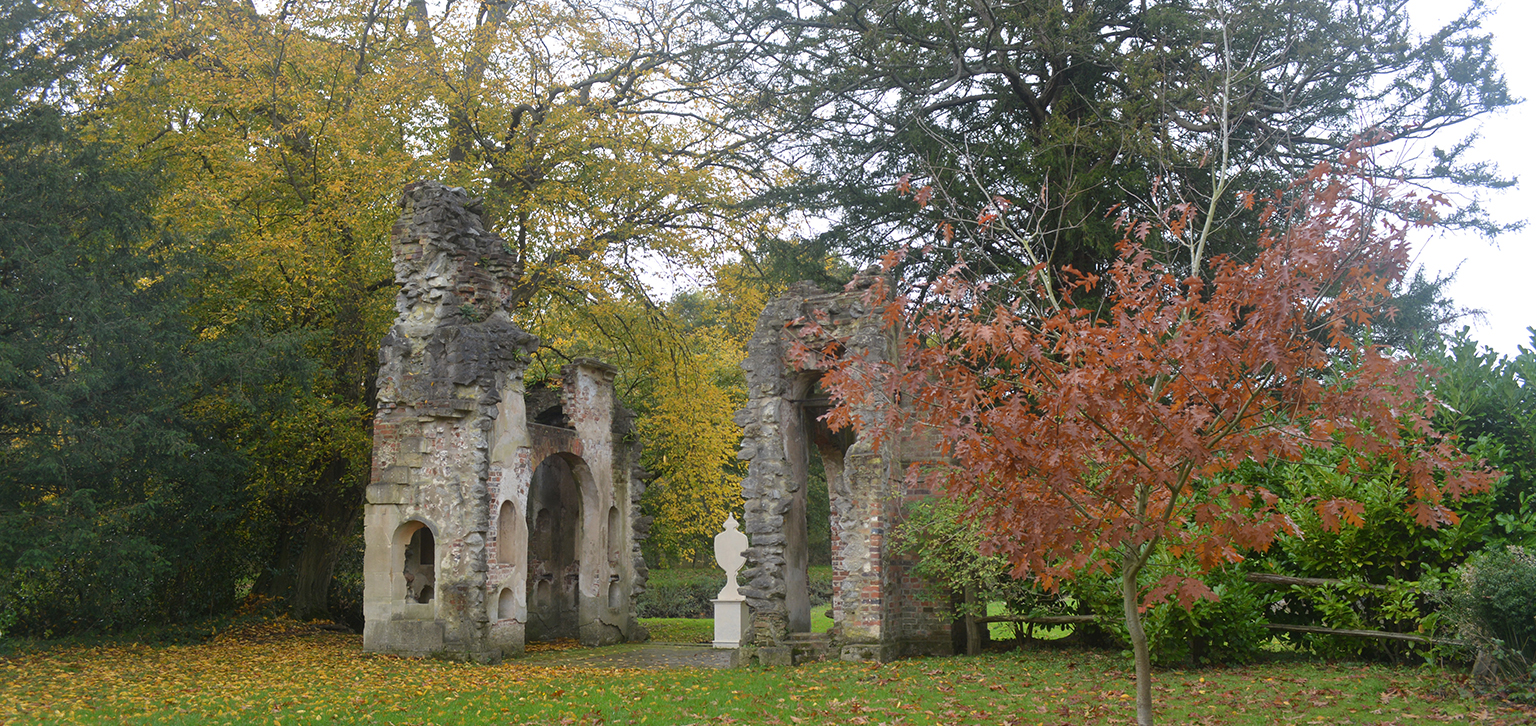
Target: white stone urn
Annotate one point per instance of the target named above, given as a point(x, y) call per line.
point(731, 611)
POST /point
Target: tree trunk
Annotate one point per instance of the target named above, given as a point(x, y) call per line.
point(312, 531)
point(323, 542)
point(1131, 599)
point(276, 578)
point(972, 630)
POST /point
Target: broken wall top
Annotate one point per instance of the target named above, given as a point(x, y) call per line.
point(808, 315)
point(453, 336)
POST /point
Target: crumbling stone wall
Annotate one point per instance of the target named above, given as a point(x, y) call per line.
point(455, 454)
point(880, 611)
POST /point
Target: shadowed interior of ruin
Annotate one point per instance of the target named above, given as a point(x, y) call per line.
point(554, 524)
point(804, 433)
point(545, 406)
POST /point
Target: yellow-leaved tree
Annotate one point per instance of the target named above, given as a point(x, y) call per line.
point(679, 370)
point(288, 130)
point(286, 135)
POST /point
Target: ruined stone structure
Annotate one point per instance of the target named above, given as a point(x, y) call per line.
point(880, 610)
point(495, 514)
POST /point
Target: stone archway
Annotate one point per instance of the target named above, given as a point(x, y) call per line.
point(880, 611)
point(555, 522)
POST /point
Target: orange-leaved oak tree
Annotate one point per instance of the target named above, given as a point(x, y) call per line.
point(1089, 425)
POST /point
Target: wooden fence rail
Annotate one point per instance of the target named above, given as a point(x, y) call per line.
point(1264, 578)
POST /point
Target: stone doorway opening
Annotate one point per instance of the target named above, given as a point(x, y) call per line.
point(880, 610)
point(555, 527)
point(815, 452)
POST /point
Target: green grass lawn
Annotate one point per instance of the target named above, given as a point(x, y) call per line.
point(287, 674)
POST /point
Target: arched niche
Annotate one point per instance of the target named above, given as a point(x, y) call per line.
point(506, 605)
point(614, 532)
point(510, 534)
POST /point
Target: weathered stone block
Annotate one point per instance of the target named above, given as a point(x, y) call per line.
point(398, 474)
point(774, 656)
point(389, 493)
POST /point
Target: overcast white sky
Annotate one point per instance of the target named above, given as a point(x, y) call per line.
point(1499, 278)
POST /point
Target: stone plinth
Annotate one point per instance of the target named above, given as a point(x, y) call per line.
point(731, 611)
point(731, 618)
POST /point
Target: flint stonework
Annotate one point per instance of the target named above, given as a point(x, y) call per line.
point(459, 450)
point(879, 609)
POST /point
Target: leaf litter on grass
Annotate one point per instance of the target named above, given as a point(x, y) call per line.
point(291, 673)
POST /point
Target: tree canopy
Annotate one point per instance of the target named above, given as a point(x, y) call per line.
point(1047, 116)
point(1092, 436)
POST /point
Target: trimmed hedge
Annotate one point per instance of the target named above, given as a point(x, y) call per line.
point(688, 593)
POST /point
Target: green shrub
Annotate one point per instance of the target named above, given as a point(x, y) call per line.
point(674, 596)
point(1489, 402)
point(1384, 565)
point(83, 572)
point(1229, 630)
point(821, 585)
point(1492, 606)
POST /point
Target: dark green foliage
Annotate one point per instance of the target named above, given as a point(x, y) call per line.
point(1069, 111)
point(119, 506)
point(1353, 603)
point(1388, 569)
point(1384, 567)
point(1490, 400)
point(1229, 630)
point(1492, 606)
point(689, 593)
point(782, 263)
point(1389, 544)
point(680, 593)
point(818, 513)
point(1422, 314)
point(82, 573)
point(346, 593)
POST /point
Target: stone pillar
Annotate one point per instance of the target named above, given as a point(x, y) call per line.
point(731, 612)
point(445, 370)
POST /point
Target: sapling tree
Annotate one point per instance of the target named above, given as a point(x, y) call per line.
point(1089, 423)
